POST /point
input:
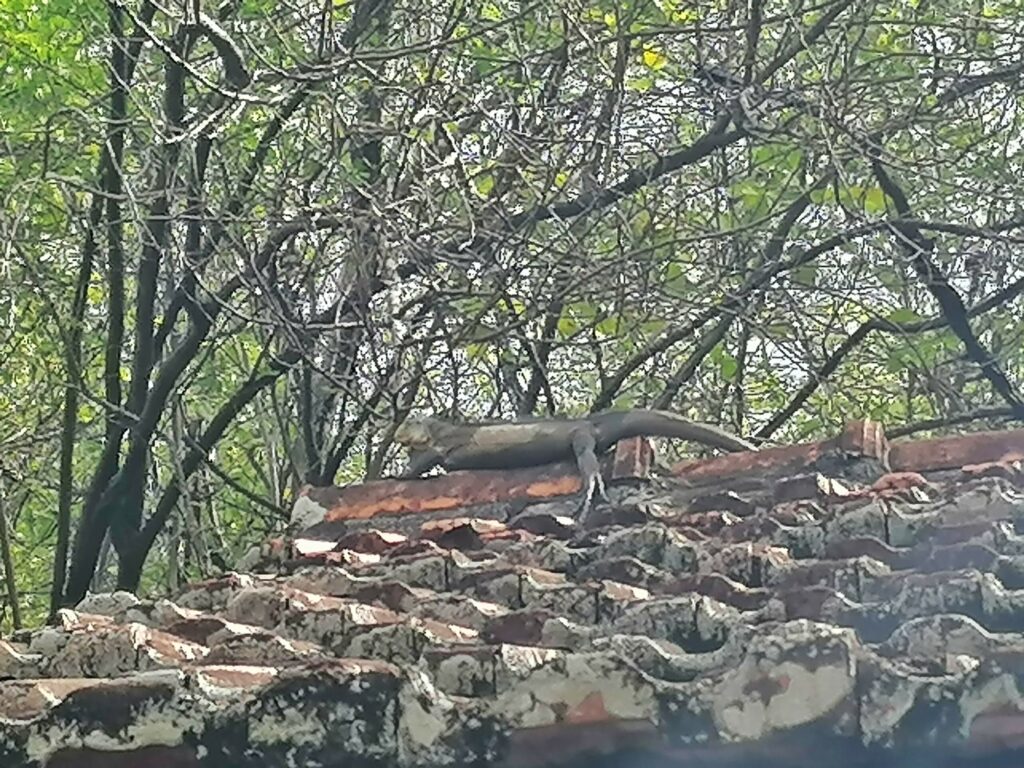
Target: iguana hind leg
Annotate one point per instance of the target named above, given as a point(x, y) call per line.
point(584, 442)
point(420, 461)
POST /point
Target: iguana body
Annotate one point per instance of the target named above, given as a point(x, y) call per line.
point(536, 441)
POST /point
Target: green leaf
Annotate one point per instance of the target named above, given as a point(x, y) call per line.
point(805, 274)
point(610, 325)
point(727, 366)
point(889, 278)
point(750, 194)
point(676, 279)
point(899, 360)
point(475, 352)
point(653, 327)
point(478, 330)
point(903, 315)
point(491, 12)
point(654, 58)
point(583, 311)
point(484, 183)
point(567, 327)
point(875, 200)
point(641, 221)
point(780, 331)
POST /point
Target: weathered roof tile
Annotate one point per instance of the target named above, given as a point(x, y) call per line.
point(851, 597)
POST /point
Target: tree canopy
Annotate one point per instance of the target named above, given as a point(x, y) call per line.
point(241, 242)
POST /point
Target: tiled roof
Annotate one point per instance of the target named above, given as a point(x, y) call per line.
point(844, 603)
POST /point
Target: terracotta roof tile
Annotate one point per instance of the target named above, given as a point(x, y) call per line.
point(851, 598)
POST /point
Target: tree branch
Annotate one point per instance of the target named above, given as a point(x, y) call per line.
point(732, 303)
point(772, 253)
point(919, 248)
point(831, 365)
point(950, 421)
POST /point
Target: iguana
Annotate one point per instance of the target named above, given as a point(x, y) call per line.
point(531, 442)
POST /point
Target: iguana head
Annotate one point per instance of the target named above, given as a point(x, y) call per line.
point(413, 432)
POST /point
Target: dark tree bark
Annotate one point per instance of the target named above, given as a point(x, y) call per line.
point(123, 59)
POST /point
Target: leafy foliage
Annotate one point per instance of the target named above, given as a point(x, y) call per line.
point(479, 209)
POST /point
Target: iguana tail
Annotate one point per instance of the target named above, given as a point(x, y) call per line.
point(613, 426)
